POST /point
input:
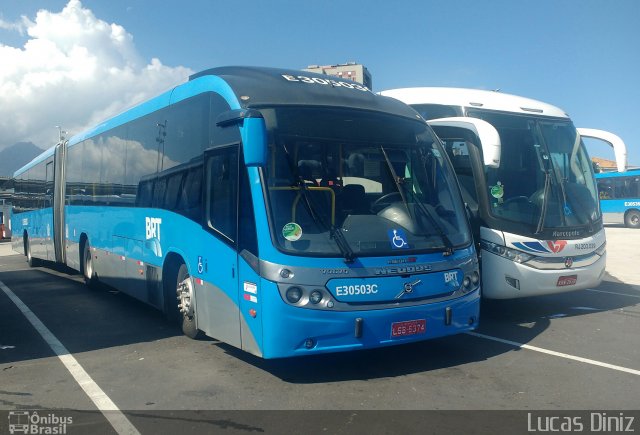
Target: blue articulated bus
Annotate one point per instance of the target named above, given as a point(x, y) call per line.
point(282, 213)
point(620, 197)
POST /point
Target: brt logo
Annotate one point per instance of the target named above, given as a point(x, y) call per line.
point(451, 277)
point(153, 227)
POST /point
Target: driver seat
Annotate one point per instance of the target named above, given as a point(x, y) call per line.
point(353, 200)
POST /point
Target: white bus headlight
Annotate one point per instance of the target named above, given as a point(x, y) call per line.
point(508, 253)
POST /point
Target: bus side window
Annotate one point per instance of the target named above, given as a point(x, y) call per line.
point(189, 202)
point(458, 151)
point(604, 189)
point(222, 179)
point(173, 191)
point(158, 192)
point(145, 193)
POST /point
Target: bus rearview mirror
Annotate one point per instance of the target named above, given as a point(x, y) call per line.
point(254, 142)
point(253, 131)
point(485, 132)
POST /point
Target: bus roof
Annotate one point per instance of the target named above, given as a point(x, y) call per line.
point(464, 97)
point(245, 87)
point(37, 159)
point(628, 173)
point(259, 86)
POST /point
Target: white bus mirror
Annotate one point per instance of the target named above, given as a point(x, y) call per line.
point(486, 133)
point(619, 147)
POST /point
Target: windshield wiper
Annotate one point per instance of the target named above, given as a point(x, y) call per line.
point(343, 245)
point(396, 180)
point(334, 233)
point(445, 239)
point(545, 201)
point(425, 211)
point(544, 161)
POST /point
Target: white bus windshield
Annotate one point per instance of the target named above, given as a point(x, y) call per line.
point(355, 183)
point(545, 178)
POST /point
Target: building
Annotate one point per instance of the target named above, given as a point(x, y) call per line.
point(604, 165)
point(350, 71)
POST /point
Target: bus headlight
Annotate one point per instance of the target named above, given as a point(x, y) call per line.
point(315, 297)
point(475, 278)
point(471, 281)
point(508, 253)
point(466, 282)
point(294, 294)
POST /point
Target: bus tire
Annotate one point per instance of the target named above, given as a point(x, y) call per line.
point(169, 277)
point(632, 219)
point(185, 292)
point(88, 271)
point(33, 262)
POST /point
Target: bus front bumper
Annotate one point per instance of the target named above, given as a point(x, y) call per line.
point(293, 331)
point(506, 279)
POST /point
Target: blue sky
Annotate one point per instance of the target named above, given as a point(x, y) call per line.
point(583, 56)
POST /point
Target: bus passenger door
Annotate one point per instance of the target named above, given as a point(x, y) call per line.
point(217, 307)
point(250, 298)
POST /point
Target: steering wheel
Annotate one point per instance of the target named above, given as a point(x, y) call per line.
point(383, 200)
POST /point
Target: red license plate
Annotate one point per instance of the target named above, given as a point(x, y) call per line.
point(410, 327)
point(567, 280)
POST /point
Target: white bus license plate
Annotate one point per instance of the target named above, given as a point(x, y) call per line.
point(567, 280)
point(410, 327)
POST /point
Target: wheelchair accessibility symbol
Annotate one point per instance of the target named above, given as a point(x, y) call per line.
point(398, 239)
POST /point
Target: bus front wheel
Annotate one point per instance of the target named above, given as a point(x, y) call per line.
point(186, 302)
point(632, 219)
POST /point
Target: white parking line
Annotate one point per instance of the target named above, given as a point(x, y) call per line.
point(118, 420)
point(612, 293)
point(554, 353)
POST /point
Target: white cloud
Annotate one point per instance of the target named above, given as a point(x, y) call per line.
point(75, 70)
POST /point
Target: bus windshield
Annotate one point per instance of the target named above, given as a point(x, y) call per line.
point(545, 178)
point(343, 182)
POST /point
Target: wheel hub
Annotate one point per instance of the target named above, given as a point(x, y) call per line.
point(88, 264)
point(185, 297)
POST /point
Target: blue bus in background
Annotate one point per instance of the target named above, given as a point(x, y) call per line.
point(283, 213)
point(620, 197)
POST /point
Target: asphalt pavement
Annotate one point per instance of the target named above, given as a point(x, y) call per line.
point(546, 355)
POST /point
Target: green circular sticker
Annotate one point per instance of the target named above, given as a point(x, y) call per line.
point(292, 231)
point(497, 191)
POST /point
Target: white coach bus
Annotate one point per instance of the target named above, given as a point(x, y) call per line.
point(529, 185)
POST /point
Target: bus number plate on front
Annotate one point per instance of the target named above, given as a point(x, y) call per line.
point(564, 281)
point(410, 327)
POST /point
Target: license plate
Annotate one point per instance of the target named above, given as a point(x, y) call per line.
point(567, 280)
point(410, 327)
